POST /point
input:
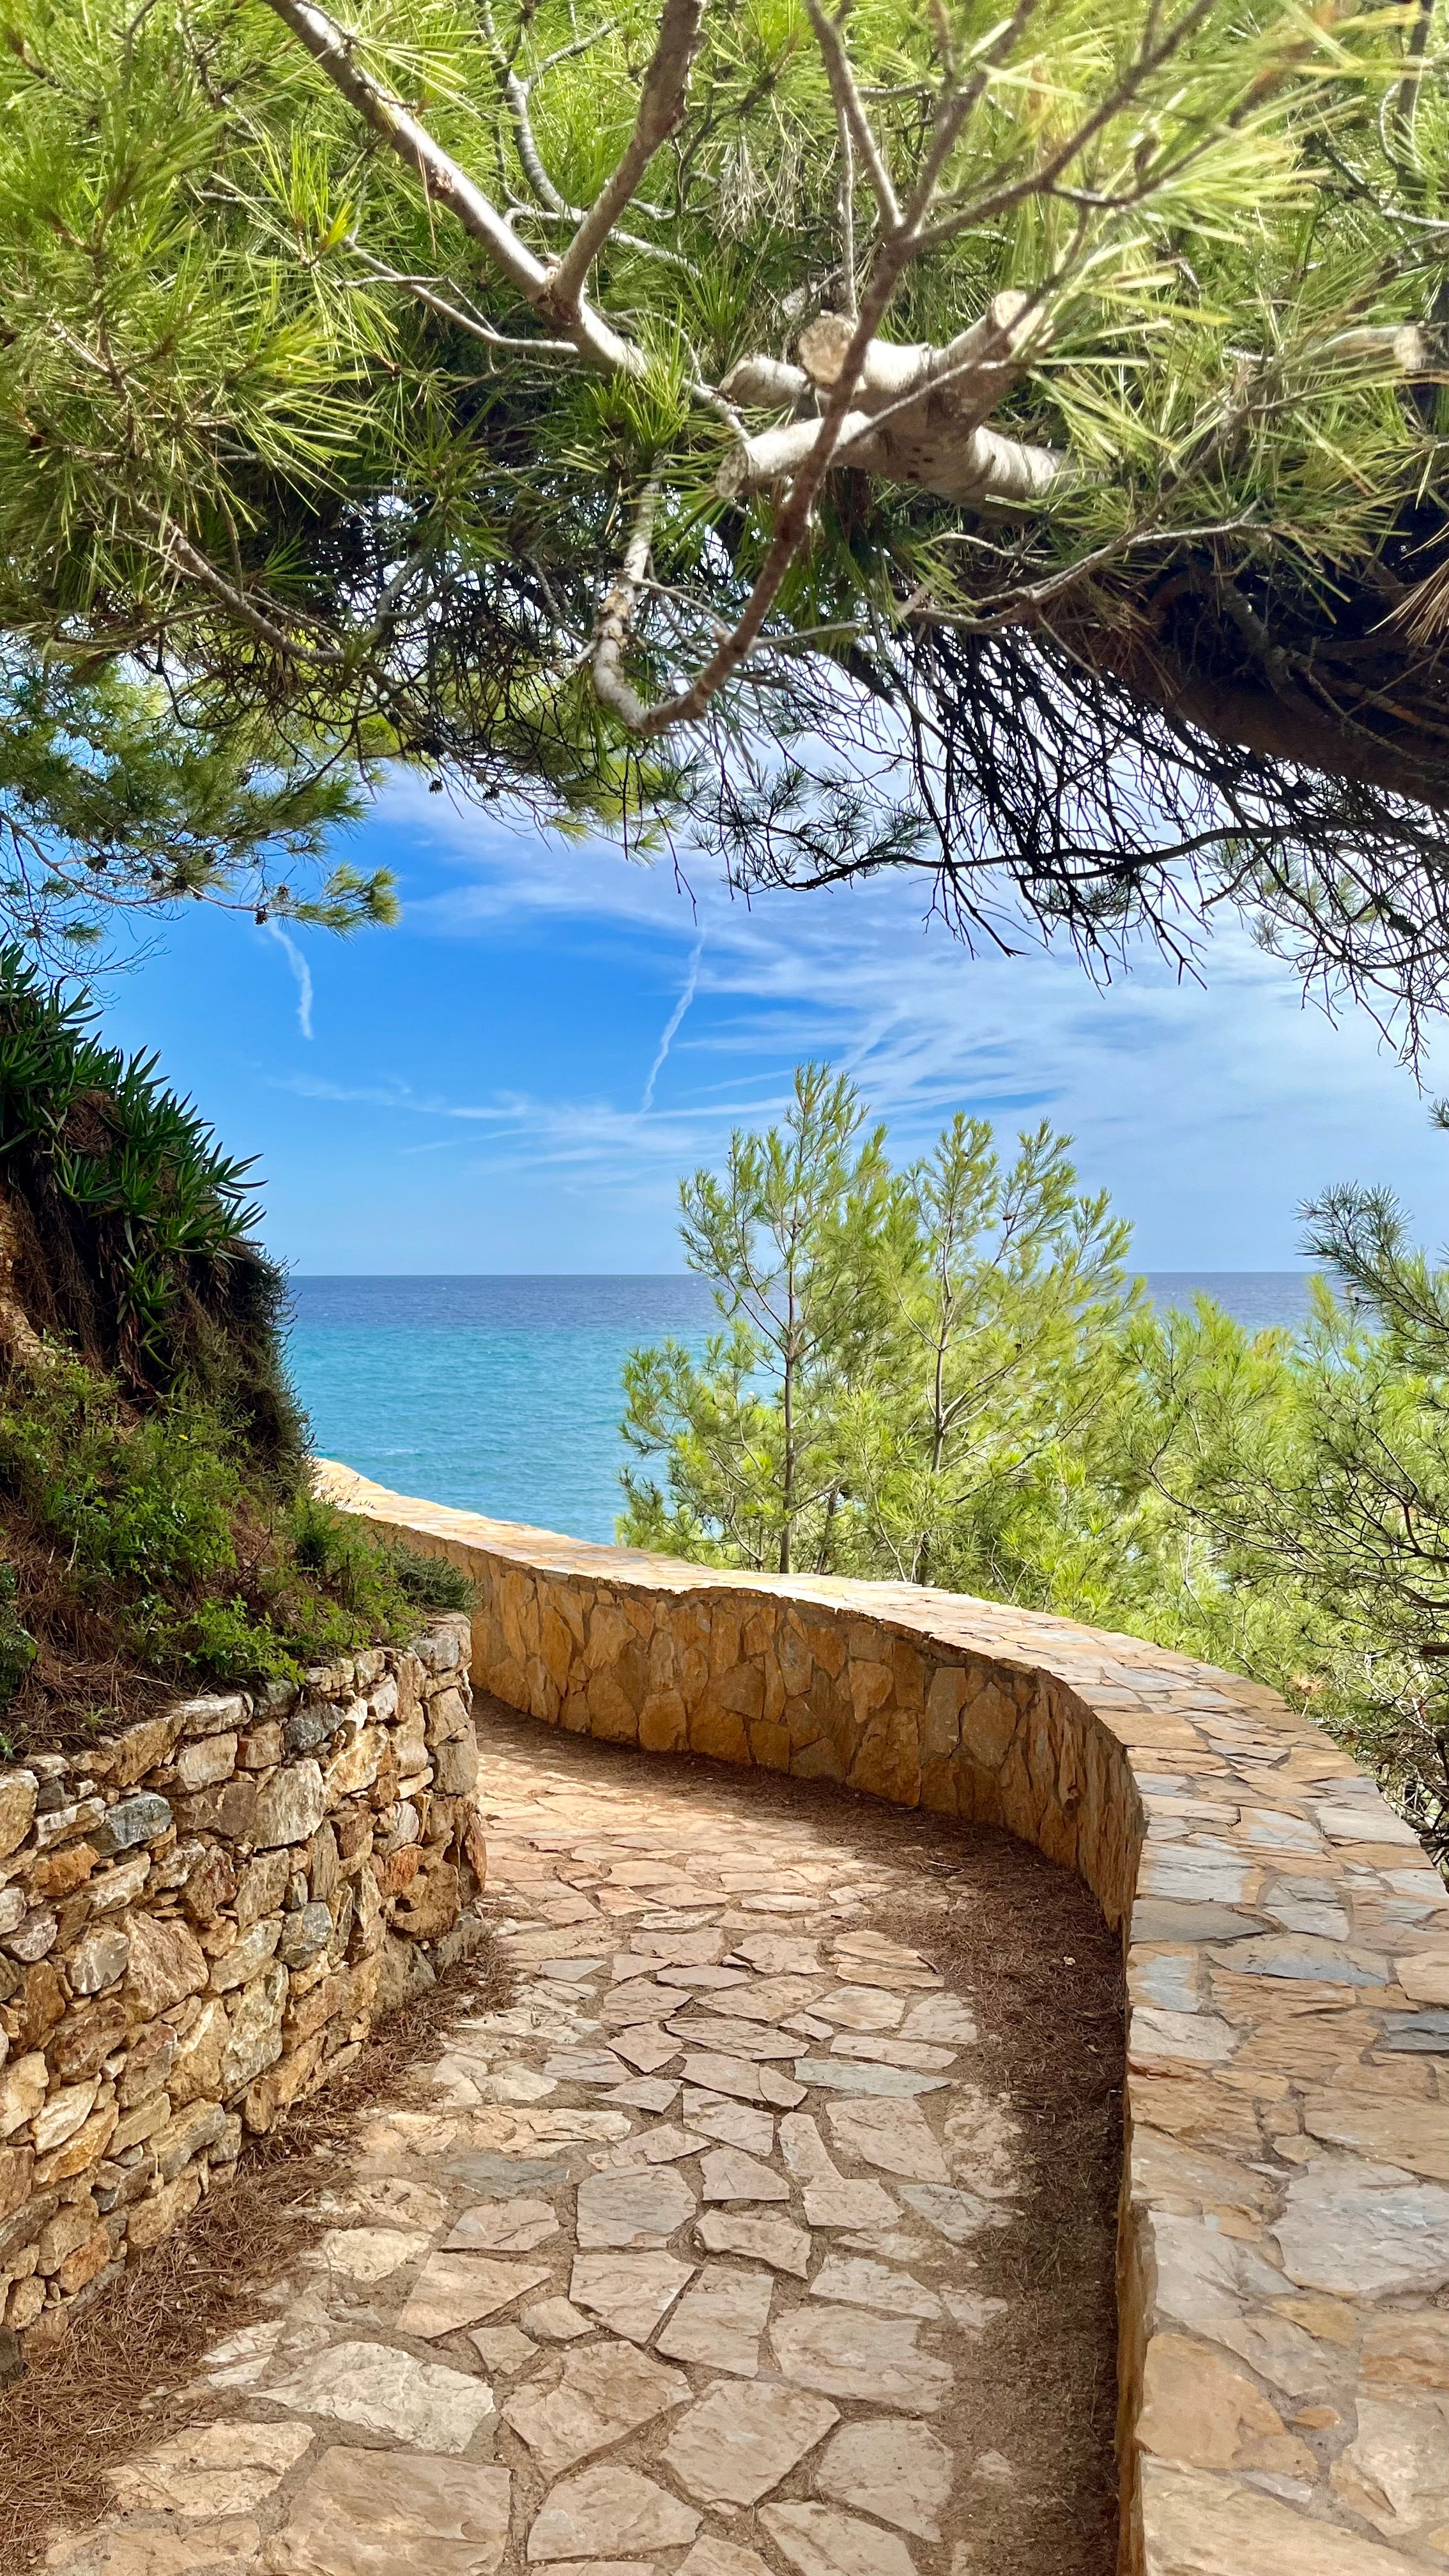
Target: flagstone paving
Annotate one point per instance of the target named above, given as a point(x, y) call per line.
point(670, 2272)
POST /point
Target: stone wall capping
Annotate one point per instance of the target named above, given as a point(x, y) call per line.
point(1284, 2242)
point(193, 1933)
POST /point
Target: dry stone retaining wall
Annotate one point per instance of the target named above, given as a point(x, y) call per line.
point(200, 1918)
point(1284, 2243)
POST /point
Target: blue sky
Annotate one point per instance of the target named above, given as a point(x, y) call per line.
point(515, 1078)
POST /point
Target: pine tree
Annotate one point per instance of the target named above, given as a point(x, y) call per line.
point(1008, 446)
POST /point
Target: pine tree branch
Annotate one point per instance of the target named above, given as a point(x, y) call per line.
point(661, 107)
point(445, 180)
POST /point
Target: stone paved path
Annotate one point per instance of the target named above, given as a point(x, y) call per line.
point(671, 2271)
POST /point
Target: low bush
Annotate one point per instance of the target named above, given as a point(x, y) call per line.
point(157, 1524)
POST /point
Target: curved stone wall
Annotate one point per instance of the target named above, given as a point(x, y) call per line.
point(1284, 2237)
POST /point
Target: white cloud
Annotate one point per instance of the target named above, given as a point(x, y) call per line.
point(300, 969)
point(672, 1024)
point(1210, 1110)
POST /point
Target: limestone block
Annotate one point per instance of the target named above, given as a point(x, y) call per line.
point(215, 1714)
point(888, 1763)
point(719, 1733)
point(199, 1765)
point(228, 1810)
point(37, 1932)
point(254, 2041)
point(429, 1905)
point(196, 2069)
point(137, 1819)
point(113, 1888)
point(61, 2234)
point(663, 1722)
point(23, 2086)
point(210, 1884)
point(305, 1934)
point(355, 1768)
point(1200, 2412)
point(447, 1716)
point(36, 2006)
point(291, 1807)
point(17, 2169)
point(84, 2261)
point(1364, 2230)
point(62, 2113)
point(61, 1824)
point(127, 1757)
point(61, 1873)
point(455, 1770)
point(18, 1793)
point(262, 1747)
point(292, 2075)
point(362, 2513)
point(309, 1726)
point(165, 1966)
point(187, 2137)
point(613, 1705)
point(84, 2040)
point(1196, 2524)
point(247, 1958)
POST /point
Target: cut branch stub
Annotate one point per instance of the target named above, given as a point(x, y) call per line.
point(918, 413)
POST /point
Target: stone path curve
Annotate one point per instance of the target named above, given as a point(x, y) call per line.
point(672, 2273)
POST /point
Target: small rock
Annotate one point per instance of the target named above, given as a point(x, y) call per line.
point(893, 2136)
point(35, 1936)
point(847, 2352)
point(369, 2253)
point(503, 2227)
point(855, 2282)
point(559, 2321)
point(956, 2215)
point(291, 1807)
point(504, 2349)
point(133, 1820)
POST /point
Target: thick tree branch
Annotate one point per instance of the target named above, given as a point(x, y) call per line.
point(616, 618)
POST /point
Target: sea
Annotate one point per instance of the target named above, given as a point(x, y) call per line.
point(503, 1395)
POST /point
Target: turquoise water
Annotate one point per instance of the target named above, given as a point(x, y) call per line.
point(502, 1395)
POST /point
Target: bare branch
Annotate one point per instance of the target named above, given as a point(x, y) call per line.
point(850, 108)
point(176, 544)
point(426, 293)
point(444, 179)
point(661, 106)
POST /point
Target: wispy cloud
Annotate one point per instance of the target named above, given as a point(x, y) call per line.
point(300, 969)
point(1209, 1111)
point(671, 1025)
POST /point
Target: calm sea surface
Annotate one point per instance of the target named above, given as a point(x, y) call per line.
point(502, 1394)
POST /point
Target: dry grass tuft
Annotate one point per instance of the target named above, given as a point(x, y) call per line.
point(118, 2380)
